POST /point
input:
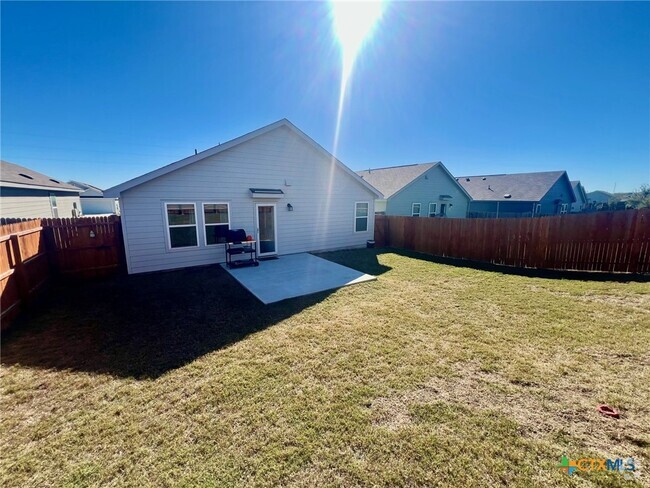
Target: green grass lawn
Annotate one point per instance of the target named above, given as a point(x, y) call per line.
point(433, 375)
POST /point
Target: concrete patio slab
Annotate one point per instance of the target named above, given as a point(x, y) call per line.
point(295, 275)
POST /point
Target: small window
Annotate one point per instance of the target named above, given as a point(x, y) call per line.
point(361, 216)
point(216, 217)
point(181, 222)
point(415, 210)
point(54, 206)
point(433, 208)
point(563, 208)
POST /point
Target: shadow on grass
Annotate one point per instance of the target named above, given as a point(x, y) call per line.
point(143, 326)
point(512, 270)
point(364, 260)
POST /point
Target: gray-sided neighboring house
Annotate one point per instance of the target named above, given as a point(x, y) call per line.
point(93, 201)
point(418, 190)
point(25, 193)
point(518, 194)
point(276, 183)
point(581, 197)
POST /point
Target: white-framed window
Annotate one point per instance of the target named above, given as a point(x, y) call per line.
point(433, 208)
point(216, 222)
point(563, 208)
point(361, 210)
point(182, 229)
point(53, 205)
point(415, 209)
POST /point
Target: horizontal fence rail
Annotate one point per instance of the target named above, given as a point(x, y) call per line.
point(602, 241)
point(31, 251)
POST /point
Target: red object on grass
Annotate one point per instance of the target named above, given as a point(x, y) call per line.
point(249, 238)
point(608, 411)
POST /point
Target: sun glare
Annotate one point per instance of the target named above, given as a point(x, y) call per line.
point(354, 23)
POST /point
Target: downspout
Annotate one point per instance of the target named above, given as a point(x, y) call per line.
point(497, 210)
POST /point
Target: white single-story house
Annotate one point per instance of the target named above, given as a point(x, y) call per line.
point(93, 201)
point(599, 197)
point(418, 190)
point(276, 183)
point(28, 194)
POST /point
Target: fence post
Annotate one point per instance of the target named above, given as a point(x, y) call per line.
point(19, 268)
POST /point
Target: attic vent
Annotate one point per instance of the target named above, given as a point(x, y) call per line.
point(484, 178)
point(507, 195)
point(55, 181)
point(26, 176)
point(466, 179)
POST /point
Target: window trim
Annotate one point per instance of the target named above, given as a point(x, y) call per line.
point(367, 217)
point(168, 227)
point(564, 207)
point(205, 224)
point(435, 209)
point(413, 209)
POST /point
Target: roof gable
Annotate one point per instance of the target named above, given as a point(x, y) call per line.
point(14, 175)
point(395, 179)
point(523, 187)
point(116, 190)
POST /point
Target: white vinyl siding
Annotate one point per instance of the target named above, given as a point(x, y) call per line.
point(415, 209)
point(279, 159)
point(37, 206)
point(361, 216)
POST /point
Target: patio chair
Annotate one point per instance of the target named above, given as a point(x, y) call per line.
point(237, 244)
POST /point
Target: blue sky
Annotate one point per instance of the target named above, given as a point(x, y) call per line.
point(103, 92)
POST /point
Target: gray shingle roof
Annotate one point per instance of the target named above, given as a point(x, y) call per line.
point(16, 175)
point(523, 187)
point(391, 180)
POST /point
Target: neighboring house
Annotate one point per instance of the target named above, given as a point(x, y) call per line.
point(598, 197)
point(276, 183)
point(519, 194)
point(419, 190)
point(93, 201)
point(581, 197)
point(25, 193)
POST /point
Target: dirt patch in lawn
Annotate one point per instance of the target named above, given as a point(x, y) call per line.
point(567, 410)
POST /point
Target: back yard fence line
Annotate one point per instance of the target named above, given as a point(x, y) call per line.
point(602, 241)
point(33, 250)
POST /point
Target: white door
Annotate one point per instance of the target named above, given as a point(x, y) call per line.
point(267, 237)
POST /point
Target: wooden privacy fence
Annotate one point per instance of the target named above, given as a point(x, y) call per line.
point(602, 241)
point(33, 250)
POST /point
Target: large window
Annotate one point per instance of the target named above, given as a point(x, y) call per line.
point(432, 209)
point(216, 220)
point(361, 216)
point(415, 209)
point(181, 222)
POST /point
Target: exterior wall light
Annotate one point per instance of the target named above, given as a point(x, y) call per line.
point(289, 207)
